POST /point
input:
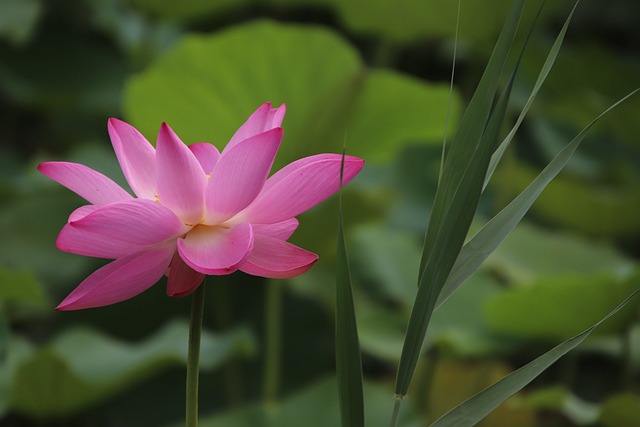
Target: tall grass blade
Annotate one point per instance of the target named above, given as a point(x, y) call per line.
point(546, 68)
point(457, 197)
point(496, 230)
point(473, 410)
point(348, 360)
point(470, 130)
point(453, 74)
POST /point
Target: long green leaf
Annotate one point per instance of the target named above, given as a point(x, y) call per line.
point(457, 198)
point(470, 130)
point(473, 410)
point(348, 360)
point(546, 68)
point(498, 228)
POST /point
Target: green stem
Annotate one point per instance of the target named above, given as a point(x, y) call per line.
point(273, 323)
point(396, 410)
point(193, 358)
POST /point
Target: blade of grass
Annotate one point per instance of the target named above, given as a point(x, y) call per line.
point(453, 73)
point(546, 68)
point(447, 245)
point(496, 230)
point(348, 359)
point(470, 130)
point(457, 199)
point(473, 410)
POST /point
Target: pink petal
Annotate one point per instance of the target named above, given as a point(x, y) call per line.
point(280, 230)
point(93, 186)
point(81, 212)
point(180, 178)
point(240, 175)
point(216, 250)
point(119, 280)
point(207, 155)
point(136, 156)
point(263, 119)
point(277, 259)
point(120, 229)
point(183, 279)
point(298, 187)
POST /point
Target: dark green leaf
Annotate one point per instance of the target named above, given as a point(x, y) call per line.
point(457, 197)
point(348, 361)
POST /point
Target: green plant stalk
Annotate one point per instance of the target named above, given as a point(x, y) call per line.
point(396, 410)
point(273, 324)
point(348, 358)
point(193, 357)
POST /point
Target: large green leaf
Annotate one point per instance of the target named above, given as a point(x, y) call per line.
point(569, 304)
point(384, 259)
point(531, 253)
point(595, 209)
point(479, 406)
point(206, 86)
point(404, 20)
point(81, 367)
point(458, 328)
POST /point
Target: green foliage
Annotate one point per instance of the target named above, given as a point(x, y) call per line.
point(315, 406)
point(376, 72)
point(530, 253)
point(207, 85)
point(622, 410)
point(459, 188)
point(406, 20)
point(81, 367)
point(18, 19)
point(20, 286)
point(559, 307)
point(603, 210)
point(476, 408)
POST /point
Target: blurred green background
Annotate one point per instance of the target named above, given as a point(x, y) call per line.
point(374, 73)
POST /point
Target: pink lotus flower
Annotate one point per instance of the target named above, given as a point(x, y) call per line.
point(197, 212)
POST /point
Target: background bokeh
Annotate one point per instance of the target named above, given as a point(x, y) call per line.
point(374, 74)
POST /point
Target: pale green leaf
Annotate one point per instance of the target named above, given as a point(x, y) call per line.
point(206, 86)
point(570, 304)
